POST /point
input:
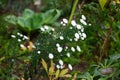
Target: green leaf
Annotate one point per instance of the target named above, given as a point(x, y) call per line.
point(51, 16)
point(63, 72)
point(57, 74)
point(11, 19)
point(28, 13)
point(44, 64)
point(102, 3)
point(51, 69)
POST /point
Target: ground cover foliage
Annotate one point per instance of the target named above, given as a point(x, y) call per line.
point(59, 40)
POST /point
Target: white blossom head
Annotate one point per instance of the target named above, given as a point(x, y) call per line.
point(38, 52)
point(51, 56)
point(59, 49)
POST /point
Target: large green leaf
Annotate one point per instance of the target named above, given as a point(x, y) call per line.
point(30, 21)
point(51, 16)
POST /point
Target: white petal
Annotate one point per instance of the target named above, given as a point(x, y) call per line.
point(79, 26)
point(58, 45)
point(70, 66)
point(13, 36)
point(73, 49)
point(75, 39)
point(78, 48)
point(58, 66)
point(83, 22)
point(60, 62)
point(42, 29)
point(65, 20)
point(25, 37)
point(83, 17)
point(84, 35)
point(46, 27)
point(73, 23)
point(68, 54)
point(21, 45)
point(77, 35)
point(19, 40)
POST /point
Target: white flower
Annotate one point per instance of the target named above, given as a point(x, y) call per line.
point(58, 45)
point(46, 27)
point(83, 17)
point(18, 34)
point(42, 29)
point(59, 49)
point(83, 22)
point(60, 62)
point(73, 23)
point(70, 66)
point(65, 20)
point(58, 66)
point(77, 35)
point(51, 56)
point(61, 37)
point(79, 26)
point(21, 45)
point(19, 40)
point(68, 54)
point(73, 49)
point(84, 35)
point(13, 36)
point(38, 52)
point(78, 48)
point(89, 24)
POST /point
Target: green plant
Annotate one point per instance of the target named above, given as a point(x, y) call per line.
point(30, 21)
point(54, 74)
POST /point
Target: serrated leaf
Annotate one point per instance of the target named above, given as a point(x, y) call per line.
point(63, 72)
point(102, 3)
point(44, 65)
point(57, 74)
point(67, 75)
point(51, 69)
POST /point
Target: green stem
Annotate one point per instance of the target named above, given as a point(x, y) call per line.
point(72, 13)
